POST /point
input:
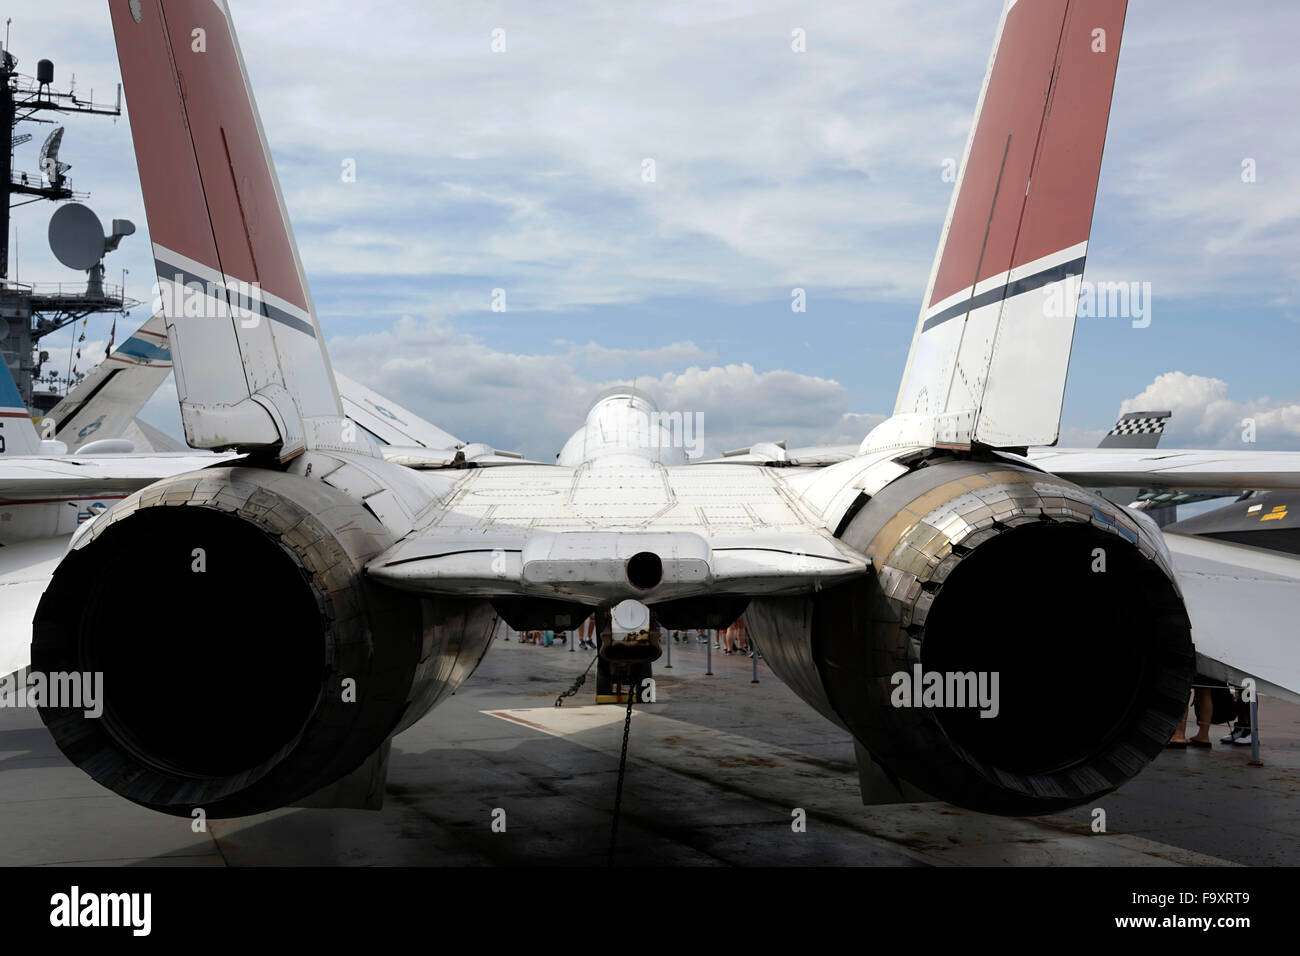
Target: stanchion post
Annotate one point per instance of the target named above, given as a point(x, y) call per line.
point(1254, 733)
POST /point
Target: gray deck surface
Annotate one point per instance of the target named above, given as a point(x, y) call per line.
point(718, 767)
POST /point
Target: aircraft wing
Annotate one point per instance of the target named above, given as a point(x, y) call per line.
point(1242, 602)
point(70, 476)
point(25, 570)
point(1171, 468)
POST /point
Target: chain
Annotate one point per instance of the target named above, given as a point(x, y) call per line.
point(577, 684)
point(622, 758)
point(622, 768)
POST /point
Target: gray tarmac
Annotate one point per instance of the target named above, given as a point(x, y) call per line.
point(721, 771)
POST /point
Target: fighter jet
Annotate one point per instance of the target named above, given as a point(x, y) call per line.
point(57, 475)
point(316, 596)
point(1266, 520)
point(104, 405)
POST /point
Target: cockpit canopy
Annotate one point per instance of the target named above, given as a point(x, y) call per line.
point(624, 421)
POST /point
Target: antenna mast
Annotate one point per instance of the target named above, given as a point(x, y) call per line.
point(29, 312)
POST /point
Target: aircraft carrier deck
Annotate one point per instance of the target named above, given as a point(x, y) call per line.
point(717, 768)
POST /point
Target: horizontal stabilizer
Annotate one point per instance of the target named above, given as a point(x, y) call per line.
point(1172, 468)
point(1242, 602)
point(72, 476)
point(388, 422)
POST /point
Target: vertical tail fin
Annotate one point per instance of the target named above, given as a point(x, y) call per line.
point(17, 433)
point(251, 368)
point(104, 404)
point(1137, 430)
point(992, 344)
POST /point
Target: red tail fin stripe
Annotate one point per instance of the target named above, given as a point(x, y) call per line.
point(219, 161)
point(1008, 278)
point(1049, 180)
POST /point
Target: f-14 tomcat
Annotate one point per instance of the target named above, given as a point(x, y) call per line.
point(313, 563)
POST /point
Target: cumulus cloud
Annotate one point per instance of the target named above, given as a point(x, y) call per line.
point(1205, 416)
point(773, 168)
point(533, 402)
point(523, 170)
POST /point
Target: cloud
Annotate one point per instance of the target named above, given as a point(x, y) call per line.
point(774, 168)
point(533, 402)
point(61, 358)
point(1074, 436)
point(523, 170)
point(1204, 416)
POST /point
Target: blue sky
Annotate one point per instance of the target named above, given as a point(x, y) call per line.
point(522, 171)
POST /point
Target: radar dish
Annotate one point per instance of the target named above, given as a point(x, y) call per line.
point(51, 167)
point(77, 237)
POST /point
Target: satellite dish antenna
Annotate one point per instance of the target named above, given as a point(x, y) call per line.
point(51, 168)
point(77, 237)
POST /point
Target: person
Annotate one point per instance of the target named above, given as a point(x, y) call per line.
point(1241, 731)
point(1203, 691)
point(586, 632)
point(742, 634)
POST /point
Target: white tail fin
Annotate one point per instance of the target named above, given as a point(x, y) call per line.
point(17, 433)
point(251, 369)
point(104, 404)
point(992, 344)
point(386, 421)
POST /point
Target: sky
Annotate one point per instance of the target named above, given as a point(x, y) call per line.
point(523, 170)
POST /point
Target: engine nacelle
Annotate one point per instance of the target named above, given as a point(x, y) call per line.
point(247, 661)
point(1063, 604)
